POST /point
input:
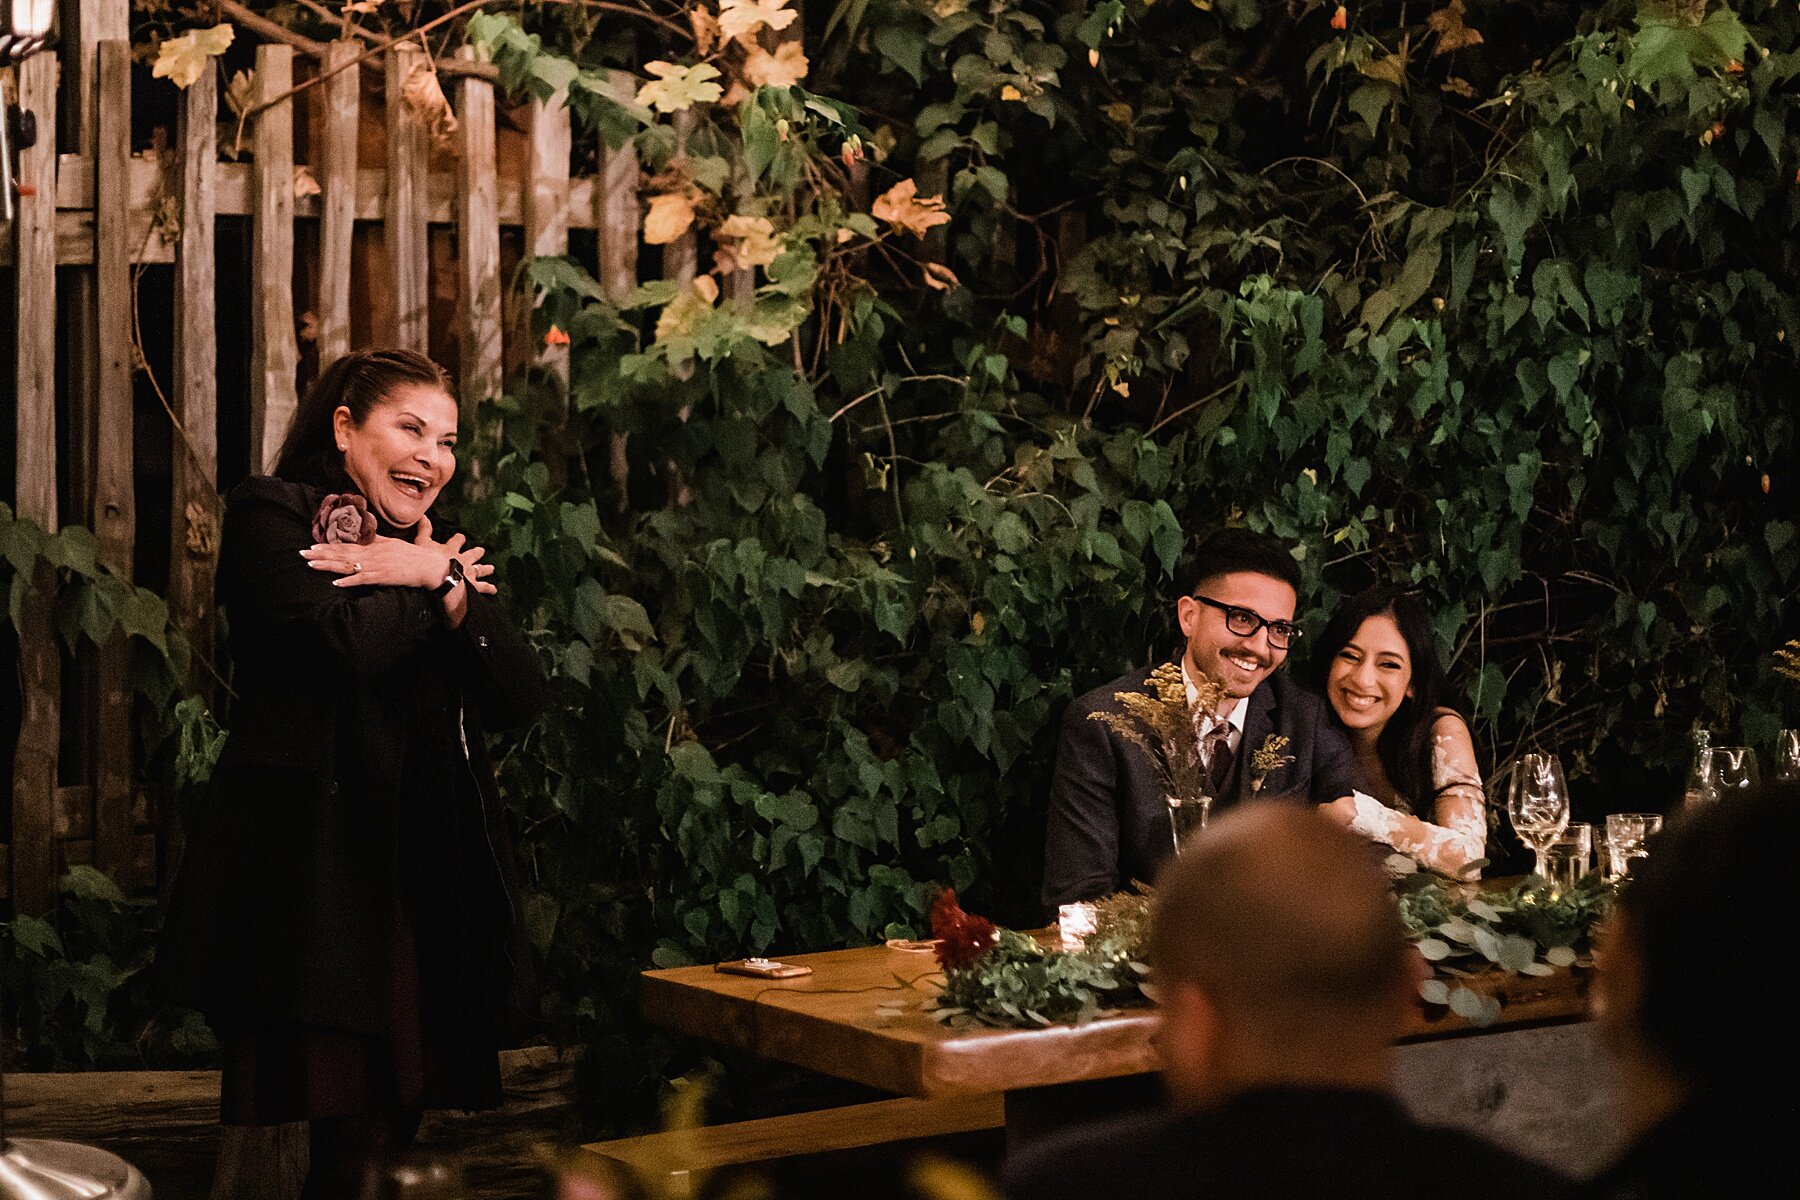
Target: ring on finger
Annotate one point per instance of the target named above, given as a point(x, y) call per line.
point(355, 568)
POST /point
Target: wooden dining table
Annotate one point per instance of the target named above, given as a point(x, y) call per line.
point(866, 1015)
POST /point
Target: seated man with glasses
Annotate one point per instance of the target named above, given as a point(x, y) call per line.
point(1109, 819)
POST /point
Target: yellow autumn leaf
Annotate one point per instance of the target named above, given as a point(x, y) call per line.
point(753, 239)
point(1447, 23)
point(682, 315)
point(940, 278)
point(782, 69)
point(676, 88)
point(240, 93)
point(1009, 92)
point(705, 27)
point(901, 207)
point(425, 96)
point(182, 59)
point(670, 216)
point(740, 19)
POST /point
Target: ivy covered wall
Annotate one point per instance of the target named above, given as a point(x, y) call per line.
point(1496, 300)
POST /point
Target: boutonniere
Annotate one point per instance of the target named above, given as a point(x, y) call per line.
point(344, 518)
point(1266, 758)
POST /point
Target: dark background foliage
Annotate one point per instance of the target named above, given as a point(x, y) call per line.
point(1506, 320)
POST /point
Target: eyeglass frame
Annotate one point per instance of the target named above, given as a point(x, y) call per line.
point(1288, 631)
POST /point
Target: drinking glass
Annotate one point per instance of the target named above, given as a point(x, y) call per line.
point(1628, 839)
point(1187, 817)
point(1538, 803)
point(1787, 755)
point(1565, 862)
point(1729, 771)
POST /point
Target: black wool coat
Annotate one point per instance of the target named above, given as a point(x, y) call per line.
point(1109, 817)
point(284, 904)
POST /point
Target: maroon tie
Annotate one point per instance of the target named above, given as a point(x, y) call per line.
point(1220, 767)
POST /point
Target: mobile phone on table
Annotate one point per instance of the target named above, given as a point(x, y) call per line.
point(764, 968)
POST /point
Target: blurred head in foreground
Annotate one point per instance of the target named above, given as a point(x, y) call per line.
point(1278, 957)
point(1683, 988)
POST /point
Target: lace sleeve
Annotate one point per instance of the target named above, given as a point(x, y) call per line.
point(1459, 835)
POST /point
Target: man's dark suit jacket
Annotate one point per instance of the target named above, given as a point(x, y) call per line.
point(1736, 1145)
point(1272, 1145)
point(1109, 817)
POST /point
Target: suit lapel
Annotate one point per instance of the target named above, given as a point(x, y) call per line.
point(1259, 723)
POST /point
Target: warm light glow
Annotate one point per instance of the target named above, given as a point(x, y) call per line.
point(30, 19)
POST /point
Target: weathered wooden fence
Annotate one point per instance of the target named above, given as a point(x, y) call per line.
point(92, 214)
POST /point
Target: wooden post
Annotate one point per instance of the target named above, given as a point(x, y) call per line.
point(616, 206)
point(681, 257)
point(274, 348)
point(114, 510)
point(34, 287)
point(478, 246)
point(403, 222)
point(337, 178)
point(194, 396)
point(547, 202)
point(85, 26)
point(617, 218)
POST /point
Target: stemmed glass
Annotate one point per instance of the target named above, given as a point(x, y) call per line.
point(1538, 804)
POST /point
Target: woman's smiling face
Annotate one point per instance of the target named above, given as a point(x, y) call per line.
point(402, 455)
point(1371, 676)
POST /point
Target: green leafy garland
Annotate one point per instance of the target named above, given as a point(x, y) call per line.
point(1463, 932)
point(1528, 929)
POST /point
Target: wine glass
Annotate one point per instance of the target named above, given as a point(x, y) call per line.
point(1538, 803)
point(1787, 755)
point(1731, 770)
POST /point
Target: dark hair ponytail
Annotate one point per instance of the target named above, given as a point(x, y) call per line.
point(359, 382)
point(1405, 743)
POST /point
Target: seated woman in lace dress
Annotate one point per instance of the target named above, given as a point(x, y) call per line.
point(1380, 672)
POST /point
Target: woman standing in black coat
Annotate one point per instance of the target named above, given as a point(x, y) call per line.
point(343, 916)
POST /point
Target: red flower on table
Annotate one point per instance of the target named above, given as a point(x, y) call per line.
point(962, 937)
point(344, 518)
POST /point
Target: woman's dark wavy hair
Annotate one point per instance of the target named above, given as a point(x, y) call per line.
point(358, 382)
point(1404, 745)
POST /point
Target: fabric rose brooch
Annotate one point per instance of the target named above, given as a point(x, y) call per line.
point(344, 518)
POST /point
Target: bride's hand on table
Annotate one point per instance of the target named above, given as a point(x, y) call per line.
point(1341, 810)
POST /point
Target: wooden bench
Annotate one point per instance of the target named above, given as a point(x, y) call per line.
point(669, 1162)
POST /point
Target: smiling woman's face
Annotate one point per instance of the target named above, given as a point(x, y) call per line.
point(401, 456)
point(1370, 676)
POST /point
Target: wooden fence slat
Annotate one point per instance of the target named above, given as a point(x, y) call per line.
point(114, 510)
point(681, 257)
point(34, 255)
point(403, 223)
point(617, 217)
point(478, 246)
point(274, 345)
point(616, 213)
point(337, 178)
point(193, 396)
point(547, 201)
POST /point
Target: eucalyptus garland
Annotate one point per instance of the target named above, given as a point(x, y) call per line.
point(1003, 978)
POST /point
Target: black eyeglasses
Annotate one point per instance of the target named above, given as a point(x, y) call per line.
point(1245, 622)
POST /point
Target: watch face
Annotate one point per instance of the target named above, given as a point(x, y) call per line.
point(456, 572)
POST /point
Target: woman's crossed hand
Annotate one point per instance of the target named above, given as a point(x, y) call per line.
point(395, 562)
